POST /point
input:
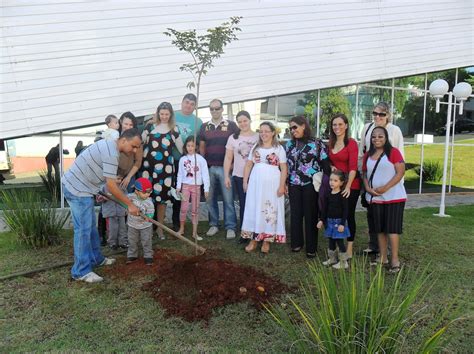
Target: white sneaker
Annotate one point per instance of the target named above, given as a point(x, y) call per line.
point(341, 265)
point(197, 237)
point(91, 277)
point(161, 234)
point(107, 261)
point(212, 231)
point(230, 234)
point(175, 194)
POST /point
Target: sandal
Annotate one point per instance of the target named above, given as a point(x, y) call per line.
point(394, 269)
point(251, 246)
point(265, 247)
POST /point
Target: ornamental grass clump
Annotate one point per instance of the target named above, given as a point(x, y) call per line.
point(35, 222)
point(358, 311)
point(432, 171)
point(51, 184)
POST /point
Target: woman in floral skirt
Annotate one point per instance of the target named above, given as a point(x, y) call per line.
point(264, 216)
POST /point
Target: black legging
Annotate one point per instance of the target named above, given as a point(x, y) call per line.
point(303, 205)
point(176, 203)
point(339, 242)
point(353, 199)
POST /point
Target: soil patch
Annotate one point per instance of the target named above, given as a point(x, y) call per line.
point(191, 287)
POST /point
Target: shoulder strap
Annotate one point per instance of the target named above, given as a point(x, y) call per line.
point(372, 174)
point(365, 136)
point(375, 167)
point(368, 128)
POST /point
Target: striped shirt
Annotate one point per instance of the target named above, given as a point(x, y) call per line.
point(146, 207)
point(90, 169)
point(215, 137)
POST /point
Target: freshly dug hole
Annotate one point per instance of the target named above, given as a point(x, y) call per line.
point(191, 287)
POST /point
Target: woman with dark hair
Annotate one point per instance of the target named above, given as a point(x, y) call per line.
point(129, 165)
point(382, 117)
point(237, 151)
point(343, 155)
point(306, 156)
point(127, 121)
point(159, 139)
point(79, 147)
point(383, 169)
point(264, 179)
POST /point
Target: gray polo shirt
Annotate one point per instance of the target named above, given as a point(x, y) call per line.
point(90, 169)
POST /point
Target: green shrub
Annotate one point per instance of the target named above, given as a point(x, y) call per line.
point(357, 311)
point(34, 221)
point(432, 171)
point(51, 184)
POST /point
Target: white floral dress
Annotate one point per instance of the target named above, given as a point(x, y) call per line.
point(264, 216)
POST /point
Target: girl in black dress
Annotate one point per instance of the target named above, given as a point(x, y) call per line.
point(334, 218)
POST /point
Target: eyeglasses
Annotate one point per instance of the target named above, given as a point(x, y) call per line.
point(380, 114)
point(214, 109)
point(293, 127)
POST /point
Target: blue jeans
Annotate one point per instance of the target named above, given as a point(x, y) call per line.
point(216, 175)
point(87, 252)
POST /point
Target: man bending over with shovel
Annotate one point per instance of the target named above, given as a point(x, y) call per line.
point(92, 169)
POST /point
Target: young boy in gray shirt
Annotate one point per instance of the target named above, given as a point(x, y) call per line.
point(116, 224)
point(139, 229)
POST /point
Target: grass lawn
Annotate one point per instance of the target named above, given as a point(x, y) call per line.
point(463, 173)
point(465, 141)
point(48, 312)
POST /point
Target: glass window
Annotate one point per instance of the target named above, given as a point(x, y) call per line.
point(368, 97)
point(289, 106)
point(264, 109)
point(408, 111)
point(338, 100)
point(448, 75)
point(258, 110)
point(466, 75)
point(387, 83)
point(411, 82)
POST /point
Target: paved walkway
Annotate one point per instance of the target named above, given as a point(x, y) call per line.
point(415, 201)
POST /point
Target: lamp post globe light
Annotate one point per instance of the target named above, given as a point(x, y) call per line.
point(438, 89)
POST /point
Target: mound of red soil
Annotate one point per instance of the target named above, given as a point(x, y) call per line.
point(191, 287)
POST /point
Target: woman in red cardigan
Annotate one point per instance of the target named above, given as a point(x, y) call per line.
point(343, 155)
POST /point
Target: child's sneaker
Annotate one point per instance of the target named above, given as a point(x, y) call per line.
point(161, 234)
point(175, 194)
point(148, 261)
point(131, 260)
point(197, 237)
point(107, 261)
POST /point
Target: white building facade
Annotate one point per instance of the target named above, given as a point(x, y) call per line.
point(69, 64)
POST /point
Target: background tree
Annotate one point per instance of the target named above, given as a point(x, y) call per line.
point(204, 49)
point(332, 101)
point(412, 111)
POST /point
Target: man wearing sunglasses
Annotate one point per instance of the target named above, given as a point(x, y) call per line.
point(213, 137)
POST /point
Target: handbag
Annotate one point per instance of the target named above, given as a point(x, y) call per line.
point(363, 200)
point(317, 179)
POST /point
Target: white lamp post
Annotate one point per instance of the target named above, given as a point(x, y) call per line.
point(461, 92)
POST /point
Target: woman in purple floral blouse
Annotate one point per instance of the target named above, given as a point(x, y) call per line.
point(305, 156)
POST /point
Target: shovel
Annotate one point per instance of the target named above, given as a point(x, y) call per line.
point(160, 225)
